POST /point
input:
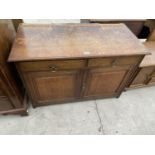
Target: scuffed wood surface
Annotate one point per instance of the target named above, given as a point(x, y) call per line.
point(45, 42)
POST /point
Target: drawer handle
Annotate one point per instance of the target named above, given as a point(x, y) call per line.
point(53, 68)
point(113, 63)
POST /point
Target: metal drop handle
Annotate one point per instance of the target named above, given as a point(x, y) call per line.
point(53, 68)
point(114, 62)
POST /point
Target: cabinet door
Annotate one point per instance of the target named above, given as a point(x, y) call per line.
point(52, 87)
point(102, 83)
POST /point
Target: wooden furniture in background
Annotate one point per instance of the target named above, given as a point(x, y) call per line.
point(16, 23)
point(74, 62)
point(135, 25)
point(12, 100)
point(151, 36)
point(150, 23)
point(146, 71)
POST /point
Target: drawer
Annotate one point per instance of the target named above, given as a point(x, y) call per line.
point(52, 65)
point(5, 104)
point(113, 61)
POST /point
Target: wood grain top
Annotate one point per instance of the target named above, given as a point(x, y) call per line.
point(71, 41)
point(149, 60)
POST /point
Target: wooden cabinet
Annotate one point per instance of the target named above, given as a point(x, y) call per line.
point(146, 72)
point(50, 82)
point(77, 62)
point(12, 99)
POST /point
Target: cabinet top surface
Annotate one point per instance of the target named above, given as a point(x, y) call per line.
point(149, 60)
point(69, 41)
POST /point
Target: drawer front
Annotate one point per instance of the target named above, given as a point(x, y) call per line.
point(113, 62)
point(5, 104)
point(52, 65)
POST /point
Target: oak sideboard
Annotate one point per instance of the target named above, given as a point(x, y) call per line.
point(74, 62)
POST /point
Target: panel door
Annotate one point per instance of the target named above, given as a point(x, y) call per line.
point(102, 83)
point(52, 87)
